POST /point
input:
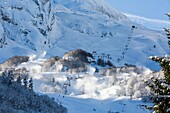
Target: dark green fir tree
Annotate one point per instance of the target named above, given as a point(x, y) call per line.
point(161, 87)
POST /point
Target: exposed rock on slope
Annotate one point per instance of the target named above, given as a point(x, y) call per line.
point(116, 70)
point(79, 55)
point(72, 66)
point(13, 62)
point(73, 61)
point(49, 63)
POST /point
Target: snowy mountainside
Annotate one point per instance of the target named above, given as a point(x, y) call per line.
point(91, 6)
point(150, 23)
point(94, 92)
point(56, 26)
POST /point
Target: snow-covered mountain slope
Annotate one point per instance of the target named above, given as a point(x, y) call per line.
point(150, 23)
point(56, 26)
point(112, 105)
point(117, 91)
point(91, 6)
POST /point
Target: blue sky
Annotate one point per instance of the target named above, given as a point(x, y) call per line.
point(147, 8)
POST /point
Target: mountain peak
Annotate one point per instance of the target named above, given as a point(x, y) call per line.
point(86, 6)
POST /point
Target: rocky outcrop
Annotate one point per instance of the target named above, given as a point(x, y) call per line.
point(49, 63)
point(78, 55)
point(13, 62)
point(72, 66)
point(74, 61)
point(124, 69)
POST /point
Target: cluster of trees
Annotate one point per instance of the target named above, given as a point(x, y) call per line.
point(102, 60)
point(17, 95)
point(168, 31)
point(8, 77)
point(2, 42)
point(161, 87)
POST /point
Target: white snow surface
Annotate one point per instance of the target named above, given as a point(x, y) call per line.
point(43, 28)
point(56, 26)
point(149, 23)
point(93, 92)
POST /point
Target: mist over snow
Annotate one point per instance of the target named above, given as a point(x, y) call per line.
point(90, 91)
point(59, 26)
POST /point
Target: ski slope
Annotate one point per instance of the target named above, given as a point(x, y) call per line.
point(90, 105)
point(94, 92)
point(41, 29)
point(57, 27)
point(149, 23)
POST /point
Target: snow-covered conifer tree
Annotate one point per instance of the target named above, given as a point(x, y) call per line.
point(161, 87)
point(30, 84)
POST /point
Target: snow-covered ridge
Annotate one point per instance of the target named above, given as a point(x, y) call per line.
point(149, 23)
point(59, 26)
point(87, 6)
